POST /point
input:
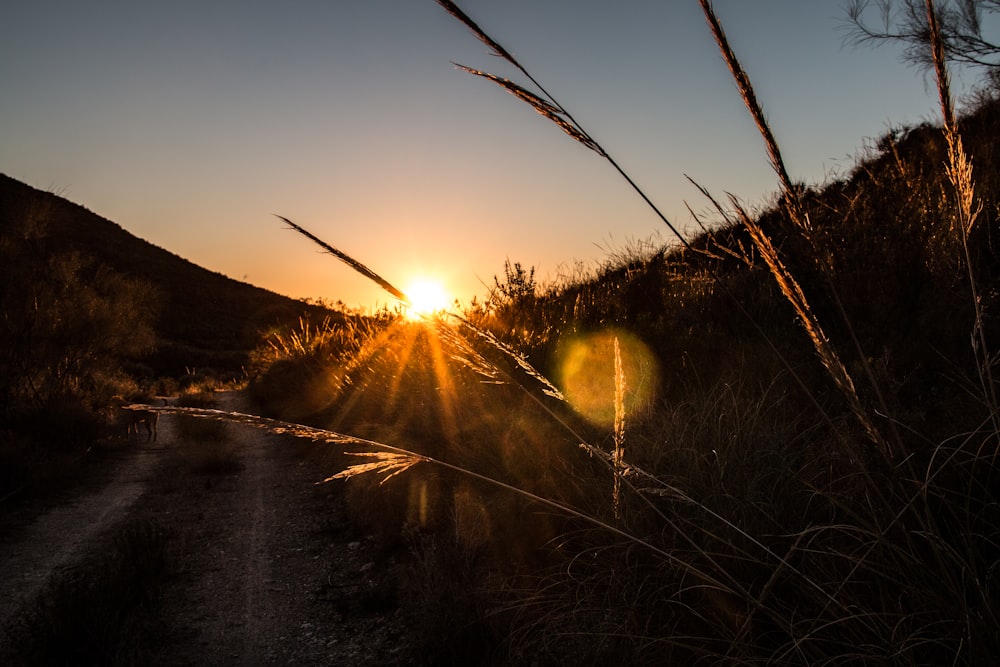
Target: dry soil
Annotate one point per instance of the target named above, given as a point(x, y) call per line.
point(264, 566)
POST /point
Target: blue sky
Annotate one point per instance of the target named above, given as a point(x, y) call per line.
point(191, 123)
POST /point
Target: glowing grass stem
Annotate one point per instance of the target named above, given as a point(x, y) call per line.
point(394, 460)
point(619, 453)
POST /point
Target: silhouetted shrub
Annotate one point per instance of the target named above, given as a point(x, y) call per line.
point(66, 323)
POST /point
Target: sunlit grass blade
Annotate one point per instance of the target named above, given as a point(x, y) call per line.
point(497, 49)
point(967, 205)
point(351, 262)
point(554, 113)
point(619, 427)
point(387, 463)
point(548, 388)
point(400, 459)
point(821, 343)
point(466, 355)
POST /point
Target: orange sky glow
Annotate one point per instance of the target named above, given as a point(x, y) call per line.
point(194, 125)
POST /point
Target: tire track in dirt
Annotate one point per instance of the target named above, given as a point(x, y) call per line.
point(265, 567)
point(262, 549)
point(255, 629)
point(218, 610)
point(59, 537)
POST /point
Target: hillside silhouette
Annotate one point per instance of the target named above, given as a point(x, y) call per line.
point(204, 318)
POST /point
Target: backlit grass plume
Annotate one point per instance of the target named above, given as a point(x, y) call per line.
point(395, 460)
point(389, 464)
point(967, 205)
point(619, 427)
point(351, 262)
point(548, 106)
point(544, 104)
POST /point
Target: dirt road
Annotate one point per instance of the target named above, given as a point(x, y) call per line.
point(43, 544)
point(265, 567)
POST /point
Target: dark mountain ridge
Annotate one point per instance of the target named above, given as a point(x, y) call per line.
point(204, 318)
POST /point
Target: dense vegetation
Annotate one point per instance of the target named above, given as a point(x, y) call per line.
point(773, 443)
point(89, 312)
point(202, 319)
point(69, 328)
point(776, 444)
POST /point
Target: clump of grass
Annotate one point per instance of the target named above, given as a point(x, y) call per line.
point(209, 448)
point(298, 372)
point(446, 595)
point(202, 432)
point(197, 398)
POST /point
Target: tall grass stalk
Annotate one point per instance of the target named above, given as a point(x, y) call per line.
point(796, 297)
point(789, 286)
point(619, 427)
point(967, 205)
point(549, 107)
point(350, 261)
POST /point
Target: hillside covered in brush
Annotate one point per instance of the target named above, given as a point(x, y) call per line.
point(772, 443)
point(884, 270)
point(202, 318)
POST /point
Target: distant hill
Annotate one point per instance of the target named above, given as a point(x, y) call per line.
point(205, 318)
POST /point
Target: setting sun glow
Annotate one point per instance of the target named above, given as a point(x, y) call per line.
point(427, 297)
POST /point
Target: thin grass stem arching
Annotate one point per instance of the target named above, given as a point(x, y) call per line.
point(793, 205)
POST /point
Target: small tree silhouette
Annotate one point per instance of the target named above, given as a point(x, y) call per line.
point(512, 300)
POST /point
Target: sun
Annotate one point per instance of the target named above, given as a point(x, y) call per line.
point(427, 296)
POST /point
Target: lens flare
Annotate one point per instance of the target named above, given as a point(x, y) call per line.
point(586, 374)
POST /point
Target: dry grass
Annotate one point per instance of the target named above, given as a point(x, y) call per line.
point(743, 515)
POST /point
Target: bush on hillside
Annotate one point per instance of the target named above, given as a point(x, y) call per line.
point(67, 324)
